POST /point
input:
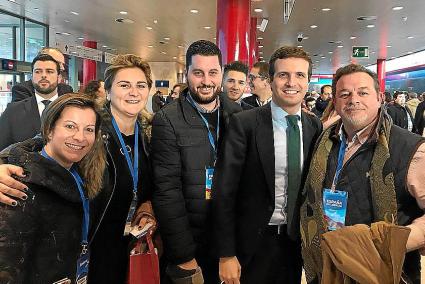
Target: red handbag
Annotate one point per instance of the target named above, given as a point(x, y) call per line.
point(144, 265)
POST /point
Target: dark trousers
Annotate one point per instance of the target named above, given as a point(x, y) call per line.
point(276, 261)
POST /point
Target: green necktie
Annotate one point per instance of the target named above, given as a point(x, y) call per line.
point(294, 162)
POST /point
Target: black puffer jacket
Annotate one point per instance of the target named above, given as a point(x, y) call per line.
point(180, 152)
point(40, 238)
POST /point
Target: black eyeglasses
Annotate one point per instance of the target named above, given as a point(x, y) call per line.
point(252, 77)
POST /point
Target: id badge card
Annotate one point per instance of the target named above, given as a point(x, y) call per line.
point(335, 208)
point(63, 281)
point(83, 267)
point(209, 174)
point(130, 215)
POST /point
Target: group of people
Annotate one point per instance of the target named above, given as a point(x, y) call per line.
point(241, 190)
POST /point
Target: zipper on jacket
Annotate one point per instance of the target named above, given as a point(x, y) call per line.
point(110, 198)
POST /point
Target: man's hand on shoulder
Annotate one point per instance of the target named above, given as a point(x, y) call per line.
point(10, 187)
point(230, 270)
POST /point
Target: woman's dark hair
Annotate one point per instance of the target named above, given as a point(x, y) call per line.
point(92, 166)
point(92, 87)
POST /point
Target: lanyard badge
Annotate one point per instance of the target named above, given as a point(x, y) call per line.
point(84, 259)
point(335, 208)
point(83, 265)
point(209, 172)
point(335, 201)
point(134, 171)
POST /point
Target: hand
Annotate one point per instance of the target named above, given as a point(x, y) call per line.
point(307, 111)
point(147, 219)
point(230, 270)
point(10, 186)
point(144, 215)
point(190, 265)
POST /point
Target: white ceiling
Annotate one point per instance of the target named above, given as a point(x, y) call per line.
point(96, 21)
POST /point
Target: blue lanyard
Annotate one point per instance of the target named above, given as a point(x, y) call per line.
point(84, 200)
point(210, 136)
point(341, 155)
point(134, 169)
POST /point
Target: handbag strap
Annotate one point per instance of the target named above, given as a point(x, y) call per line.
point(148, 237)
point(151, 247)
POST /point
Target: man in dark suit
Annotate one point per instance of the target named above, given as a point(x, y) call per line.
point(26, 89)
point(260, 85)
point(400, 114)
point(21, 120)
point(234, 82)
point(259, 175)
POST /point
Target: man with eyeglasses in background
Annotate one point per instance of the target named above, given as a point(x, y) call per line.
point(25, 90)
point(234, 82)
point(260, 85)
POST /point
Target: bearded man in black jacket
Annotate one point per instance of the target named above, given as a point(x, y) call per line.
point(186, 135)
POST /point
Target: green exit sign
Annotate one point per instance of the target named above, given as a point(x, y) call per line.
point(360, 52)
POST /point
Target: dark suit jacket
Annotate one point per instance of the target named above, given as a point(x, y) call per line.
point(26, 89)
point(244, 182)
point(399, 116)
point(245, 106)
point(251, 100)
point(20, 121)
point(419, 118)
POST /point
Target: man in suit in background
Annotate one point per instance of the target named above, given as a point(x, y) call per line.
point(259, 176)
point(400, 113)
point(234, 82)
point(260, 85)
point(26, 89)
point(21, 120)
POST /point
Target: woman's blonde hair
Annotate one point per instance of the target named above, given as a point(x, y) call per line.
point(93, 165)
point(124, 61)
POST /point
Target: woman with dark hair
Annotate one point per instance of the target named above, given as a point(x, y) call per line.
point(96, 89)
point(45, 237)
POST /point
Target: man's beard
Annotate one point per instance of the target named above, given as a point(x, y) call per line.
point(203, 99)
point(45, 91)
point(356, 120)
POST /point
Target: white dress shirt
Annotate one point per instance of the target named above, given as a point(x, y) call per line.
point(40, 105)
point(280, 125)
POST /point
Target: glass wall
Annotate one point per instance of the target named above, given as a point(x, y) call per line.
point(10, 36)
point(34, 36)
point(35, 39)
point(20, 39)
